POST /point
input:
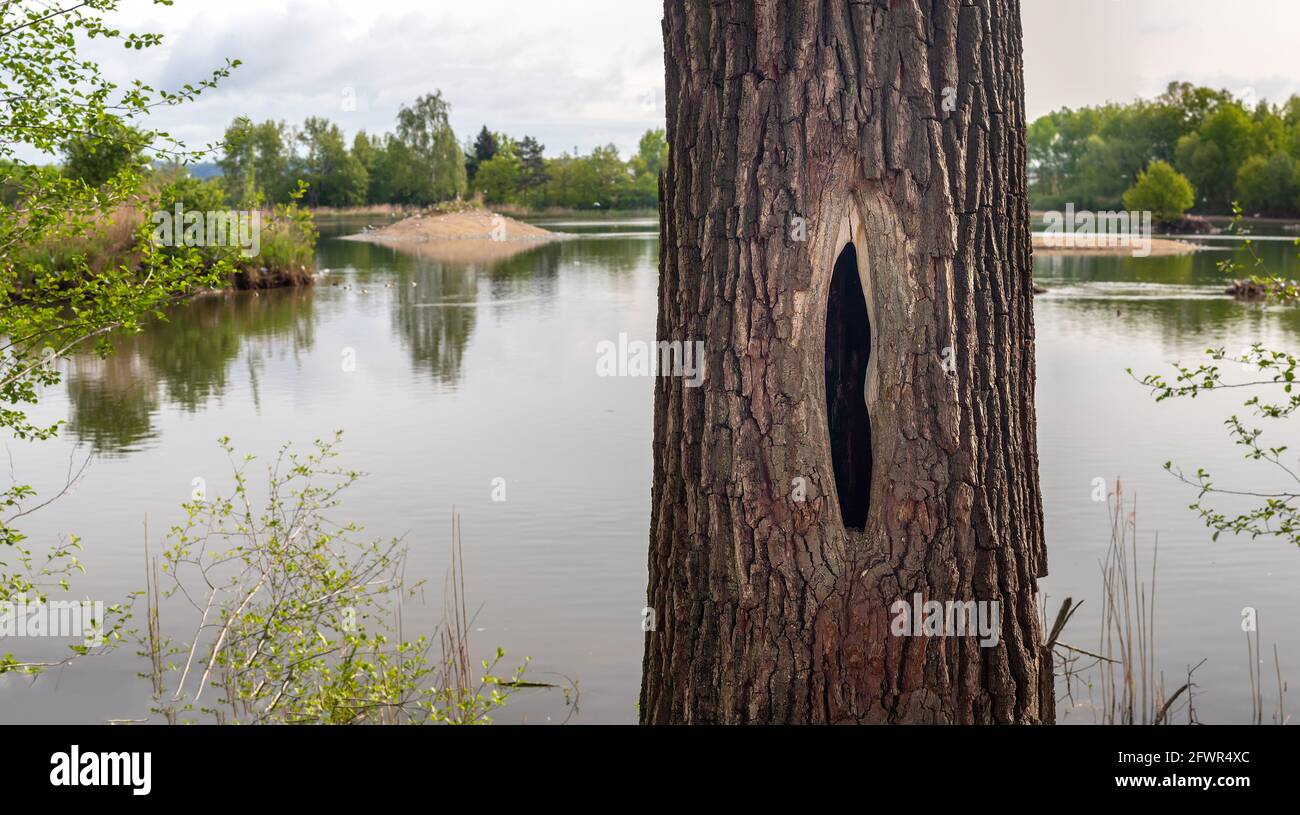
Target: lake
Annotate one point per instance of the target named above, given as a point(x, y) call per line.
point(486, 371)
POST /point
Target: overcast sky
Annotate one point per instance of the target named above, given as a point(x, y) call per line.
point(579, 73)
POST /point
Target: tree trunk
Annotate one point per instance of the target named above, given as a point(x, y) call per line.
point(786, 519)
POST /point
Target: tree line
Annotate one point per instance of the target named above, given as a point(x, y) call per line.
point(422, 163)
point(1197, 146)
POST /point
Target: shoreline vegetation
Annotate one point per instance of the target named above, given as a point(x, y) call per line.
point(421, 162)
point(1192, 149)
point(286, 242)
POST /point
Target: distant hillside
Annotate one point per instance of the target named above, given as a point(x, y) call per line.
point(205, 170)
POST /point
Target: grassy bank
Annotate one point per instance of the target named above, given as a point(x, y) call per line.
point(280, 254)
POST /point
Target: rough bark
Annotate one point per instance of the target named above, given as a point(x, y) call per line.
point(832, 111)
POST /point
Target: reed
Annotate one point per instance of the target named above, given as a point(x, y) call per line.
point(1120, 680)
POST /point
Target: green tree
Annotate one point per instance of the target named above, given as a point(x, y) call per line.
point(256, 159)
point(1290, 113)
point(651, 156)
point(652, 153)
point(483, 150)
point(1162, 190)
point(1269, 185)
point(1091, 155)
point(1211, 156)
point(108, 147)
point(430, 152)
point(366, 149)
point(600, 180)
point(532, 165)
point(499, 179)
point(1056, 145)
point(335, 177)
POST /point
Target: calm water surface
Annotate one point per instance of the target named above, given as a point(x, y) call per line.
point(479, 372)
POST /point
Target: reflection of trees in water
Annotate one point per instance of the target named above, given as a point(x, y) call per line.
point(436, 316)
point(531, 274)
point(114, 400)
point(618, 255)
point(1115, 300)
point(1172, 320)
point(336, 254)
point(1184, 270)
point(1199, 269)
point(186, 360)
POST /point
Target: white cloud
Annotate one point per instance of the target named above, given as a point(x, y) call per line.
point(1084, 53)
point(573, 74)
point(578, 73)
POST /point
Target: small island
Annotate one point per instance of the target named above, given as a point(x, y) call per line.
point(1159, 247)
point(465, 236)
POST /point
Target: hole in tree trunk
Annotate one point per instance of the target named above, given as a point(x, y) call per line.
point(848, 349)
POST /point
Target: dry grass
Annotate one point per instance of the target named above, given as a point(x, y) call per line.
point(1120, 681)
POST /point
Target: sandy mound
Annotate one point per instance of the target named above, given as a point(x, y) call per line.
point(479, 225)
point(1160, 247)
point(479, 236)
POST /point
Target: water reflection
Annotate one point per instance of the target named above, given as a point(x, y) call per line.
point(189, 359)
point(112, 401)
point(435, 318)
point(486, 369)
point(184, 361)
point(1199, 269)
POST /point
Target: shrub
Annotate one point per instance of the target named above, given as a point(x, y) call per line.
point(1162, 190)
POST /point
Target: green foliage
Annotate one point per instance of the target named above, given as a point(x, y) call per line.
point(1278, 513)
point(430, 156)
point(499, 179)
point(1270, 185)
point(1270, 377)
point(256, 160)
point(419, 165)
point(100, 154)
point(335, 177)
point(1162, 190)
point(299, 614)
point(1091, 156)
point(599, 180)
point(1211, 155)
point(368, 151)
point(483, 150)
point(192, 194)
point(51, 300)
point(288, 239)
point(532, 165)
